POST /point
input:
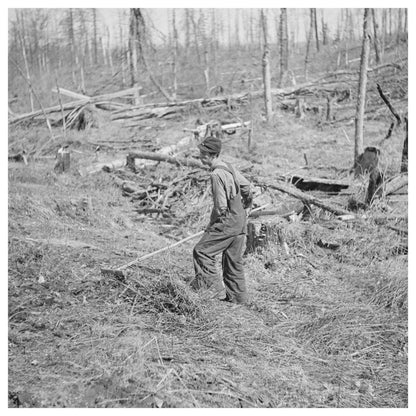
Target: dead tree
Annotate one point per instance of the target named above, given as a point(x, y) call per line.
point(203, 33)
point(308, 42)
point(324, 29)
point(174, 55)
point(140, 40)
point(21, 35)
point(405, 150)
point(399, 26)
point(266, 70)
point(384, 31)
point(315, 25)
point(284, 46)
point(187, 32)
point(195, 30)
point(213, 43)
point(132, 50)
point(359, 116)
point(376, 37)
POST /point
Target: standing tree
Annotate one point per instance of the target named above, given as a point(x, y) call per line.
point(134, 39)
point(404, 167)
point(284, 46)
point(384, 31)
point(71, 36)
point(214, 41)
point(22, 38)
point(308, 42)
point(315, 25)
point(95, 35)
point(399, 26)
point(140, 31)
point(359, 116)
point(324, 29)
point(202, 26)
point(376, 37)
point(266, 70)
point(187, 32)
point(174, 55)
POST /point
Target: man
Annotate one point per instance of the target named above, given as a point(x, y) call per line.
point(227, 227)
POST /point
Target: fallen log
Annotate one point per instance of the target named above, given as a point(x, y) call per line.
point(396, 184)
point(318, 184)
point(307, 199)
point(18, 157)
point(163, 158)
point(105, 97)
point(100, 100)
point(389, 105)
point(200, 130)
point(289, 189)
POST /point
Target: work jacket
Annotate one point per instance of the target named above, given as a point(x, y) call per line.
point(231, 194)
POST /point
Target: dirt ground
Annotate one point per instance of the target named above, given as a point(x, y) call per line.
point(324, 327)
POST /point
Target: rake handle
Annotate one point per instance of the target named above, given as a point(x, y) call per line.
point(161, 250)
point(125, 266)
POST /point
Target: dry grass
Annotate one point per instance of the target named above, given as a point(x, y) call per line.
point(325, 328)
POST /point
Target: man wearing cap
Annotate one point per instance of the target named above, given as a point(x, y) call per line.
point(226, 231)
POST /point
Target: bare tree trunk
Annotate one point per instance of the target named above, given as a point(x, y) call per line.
point(284, 46)
point(139, 41)
point(132, 52)
point(94, 43)
point(384, 30)
point(390, 22)
point(175, 55)
point(187, 32)
point(315, 24)
point(266, 71)
point(405, 21)
point(376, 37)
point(308, 43)
point(62, 109)
point(202, 25)
point(195, 30)
point(252, 25)
point(237, 28)
point(359, 117)
point(214, 41)
point(405, 150)
point(71, 35)
point(324, 30)
point(122, 52)
point(229, 29)
point(104, 51)
point(399, 26)
point(21, 35)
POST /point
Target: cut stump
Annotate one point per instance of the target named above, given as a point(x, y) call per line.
point(265, 232)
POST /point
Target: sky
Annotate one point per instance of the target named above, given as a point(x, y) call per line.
point(160, 18)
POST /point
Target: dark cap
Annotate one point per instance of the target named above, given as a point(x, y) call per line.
point(210, 145)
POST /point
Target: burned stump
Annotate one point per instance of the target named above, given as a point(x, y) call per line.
point(265, 232)
point(63, 161)
point(368, 163)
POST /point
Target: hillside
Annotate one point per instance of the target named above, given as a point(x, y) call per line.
point(326, 325)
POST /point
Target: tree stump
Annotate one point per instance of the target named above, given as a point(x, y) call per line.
point(367, 161)
point(63, 163)
point(300, 108)
point(368, 164)
point(266, 232)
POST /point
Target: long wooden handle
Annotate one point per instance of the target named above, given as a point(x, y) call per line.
point(125, 266)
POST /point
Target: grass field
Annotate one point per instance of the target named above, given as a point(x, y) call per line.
point(325, 328)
